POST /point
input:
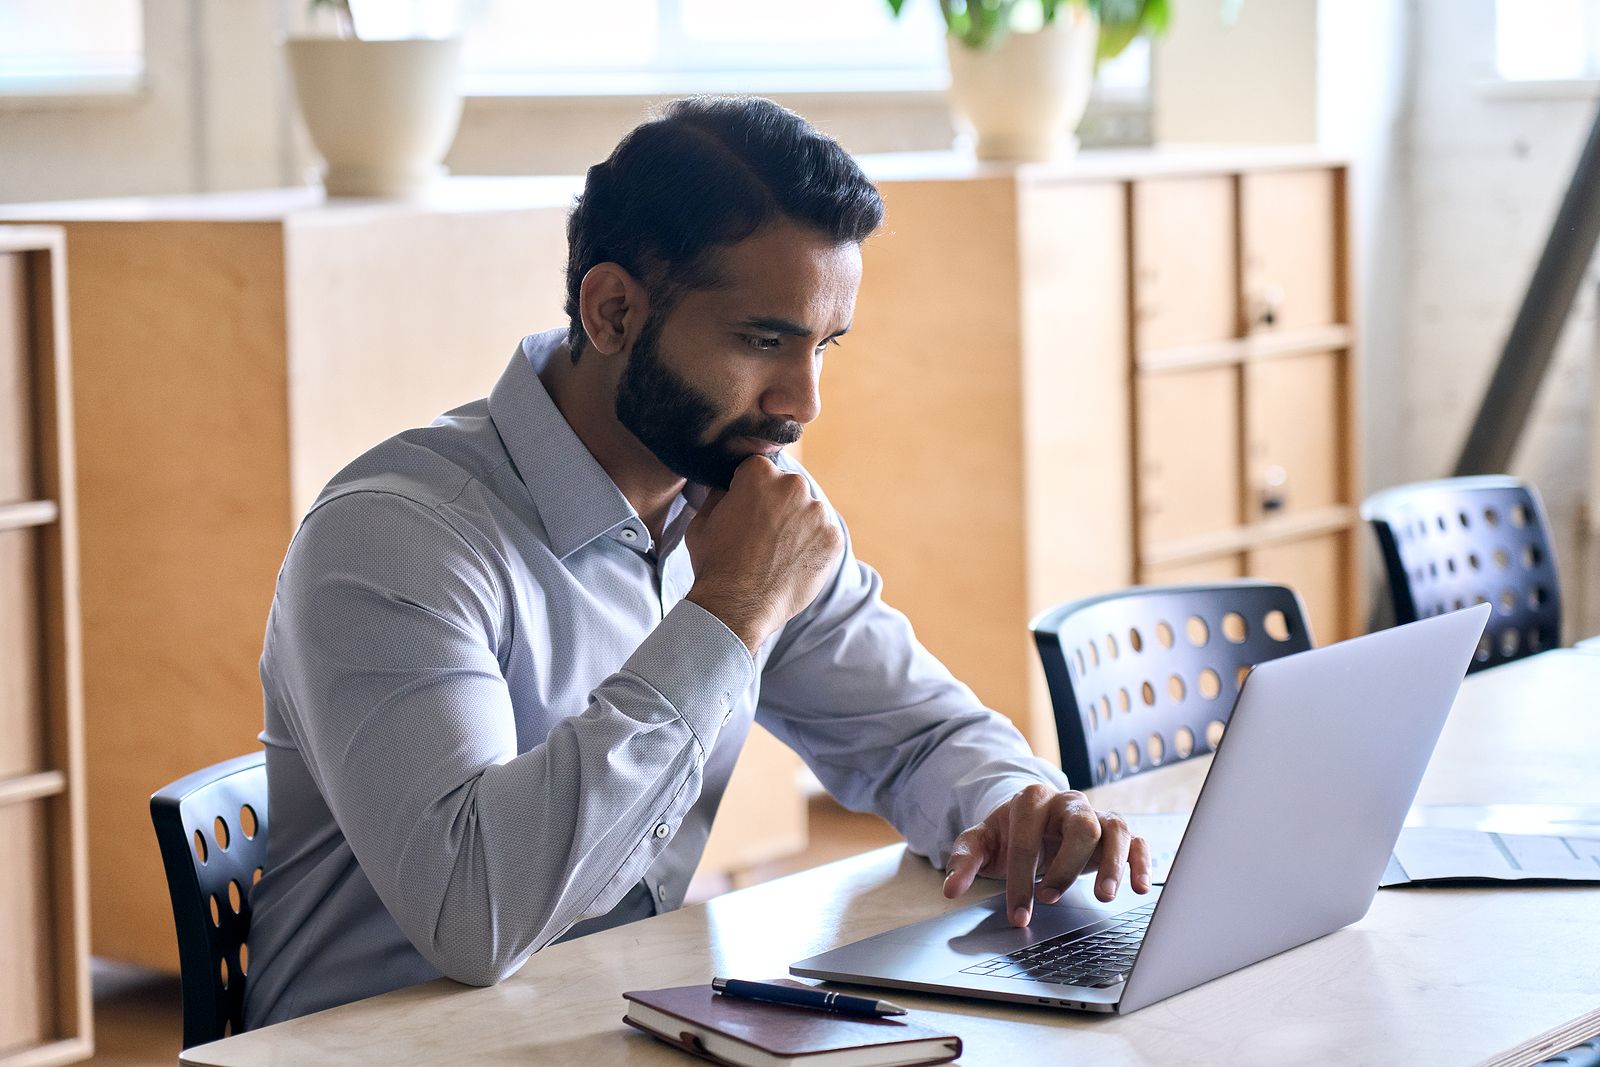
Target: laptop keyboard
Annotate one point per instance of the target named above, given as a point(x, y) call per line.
point(1100, 960)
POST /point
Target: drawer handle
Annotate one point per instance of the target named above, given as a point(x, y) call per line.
point(1270, 305)
point(1274, 489)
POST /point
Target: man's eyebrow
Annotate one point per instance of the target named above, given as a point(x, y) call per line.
point(785, 327)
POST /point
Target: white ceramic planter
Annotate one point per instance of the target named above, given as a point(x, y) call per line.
point(1023, 98)
point(381, 113)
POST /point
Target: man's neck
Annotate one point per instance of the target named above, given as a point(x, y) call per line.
point(587, 401)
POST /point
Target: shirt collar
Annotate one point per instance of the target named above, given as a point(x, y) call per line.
point(576, 500)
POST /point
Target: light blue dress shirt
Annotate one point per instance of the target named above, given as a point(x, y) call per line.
point(492, 720)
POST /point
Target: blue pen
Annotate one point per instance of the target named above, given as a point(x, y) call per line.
point(798, 997)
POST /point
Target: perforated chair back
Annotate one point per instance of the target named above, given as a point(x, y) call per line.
point(212, 829)
point(1148, 676)
point(1462, 541)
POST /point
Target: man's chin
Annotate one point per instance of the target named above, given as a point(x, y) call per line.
point(714, 469)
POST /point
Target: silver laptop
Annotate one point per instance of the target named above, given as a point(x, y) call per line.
point(1288, 841)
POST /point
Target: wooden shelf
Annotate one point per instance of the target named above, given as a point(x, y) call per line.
point(44, 967)
point(1251, 535)
point(32, 787)
point(1252, 349)
point(28, 513)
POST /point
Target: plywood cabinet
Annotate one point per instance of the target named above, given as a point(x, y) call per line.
point(1059, 384)
point(44, 944)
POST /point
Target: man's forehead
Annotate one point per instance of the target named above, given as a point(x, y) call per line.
point(789, 282)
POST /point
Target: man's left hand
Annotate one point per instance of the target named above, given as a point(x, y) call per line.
point(1059, 832)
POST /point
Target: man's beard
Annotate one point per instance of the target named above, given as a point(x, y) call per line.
point(671, 418)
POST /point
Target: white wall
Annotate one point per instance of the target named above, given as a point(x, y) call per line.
point(1486, 175)
point(1363, 98)
point(1250, 82)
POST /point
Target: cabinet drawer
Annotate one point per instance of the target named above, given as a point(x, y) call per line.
point(1316, 568)
point(1295, 429)
point(1185, 282)
point(16, 392)
point(1188, 447)
point(1290, 252)
point(27, 927)
point(22, 708)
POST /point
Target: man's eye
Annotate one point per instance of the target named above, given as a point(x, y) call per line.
point(761, 344)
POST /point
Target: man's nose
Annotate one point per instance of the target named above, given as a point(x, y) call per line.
point(796, 396)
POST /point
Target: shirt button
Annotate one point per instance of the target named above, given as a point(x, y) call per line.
point(629, 534)
point(661, 891)
point(661, 829)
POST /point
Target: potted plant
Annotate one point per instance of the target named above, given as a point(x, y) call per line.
point(1021, 70)
point(381, 111)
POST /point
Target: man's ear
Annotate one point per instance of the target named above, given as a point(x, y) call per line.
point(613, 307)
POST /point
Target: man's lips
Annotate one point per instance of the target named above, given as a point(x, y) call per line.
point(762, 446)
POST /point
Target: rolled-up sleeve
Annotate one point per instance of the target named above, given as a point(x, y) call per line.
point(393, 627)
point(883, 724)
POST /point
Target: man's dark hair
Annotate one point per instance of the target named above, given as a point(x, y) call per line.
point(708, 172)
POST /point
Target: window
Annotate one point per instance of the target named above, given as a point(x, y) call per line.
point(670, 47)
point(673, 46)
point(1547, 40)
point(70, 47)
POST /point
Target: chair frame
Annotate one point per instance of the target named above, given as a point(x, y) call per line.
point(1420, 524)
point(1111, 644)
point(184, 814)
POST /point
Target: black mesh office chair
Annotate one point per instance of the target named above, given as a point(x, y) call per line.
point(212, 829)
point(1461, 541)
point(1148, 676)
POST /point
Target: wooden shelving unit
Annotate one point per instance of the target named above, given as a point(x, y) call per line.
point(44, 931)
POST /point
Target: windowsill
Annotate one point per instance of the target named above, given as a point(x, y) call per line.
point(1552, 89)
point(72, 91)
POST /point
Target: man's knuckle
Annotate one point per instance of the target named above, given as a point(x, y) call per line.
point(1037, 794)
point(1084, 824)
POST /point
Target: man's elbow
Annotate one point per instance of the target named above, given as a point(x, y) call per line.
point(478, 968)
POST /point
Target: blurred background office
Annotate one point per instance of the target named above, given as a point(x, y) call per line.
point(1111, 331)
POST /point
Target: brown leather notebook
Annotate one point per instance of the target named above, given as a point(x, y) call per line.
point(750, 1033)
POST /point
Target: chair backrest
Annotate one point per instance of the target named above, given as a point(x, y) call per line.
point(1148, 676)
point(1461, 541)
point(212, 829)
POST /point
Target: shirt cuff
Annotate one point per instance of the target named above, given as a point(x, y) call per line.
point(698, 664)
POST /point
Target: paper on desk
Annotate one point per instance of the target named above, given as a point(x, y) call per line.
point(1431, 854)
point(1453, 843)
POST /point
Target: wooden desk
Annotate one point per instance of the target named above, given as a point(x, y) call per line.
point(1455, 976)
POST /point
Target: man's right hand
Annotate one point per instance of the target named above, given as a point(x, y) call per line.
point(761, 551)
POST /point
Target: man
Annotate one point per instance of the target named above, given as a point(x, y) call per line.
point(513, 656)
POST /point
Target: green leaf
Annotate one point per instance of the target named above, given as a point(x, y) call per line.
point(1123, 20)
point(895, 6)
point(978, 23)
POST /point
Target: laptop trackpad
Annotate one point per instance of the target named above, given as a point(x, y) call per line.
point(983, 928)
